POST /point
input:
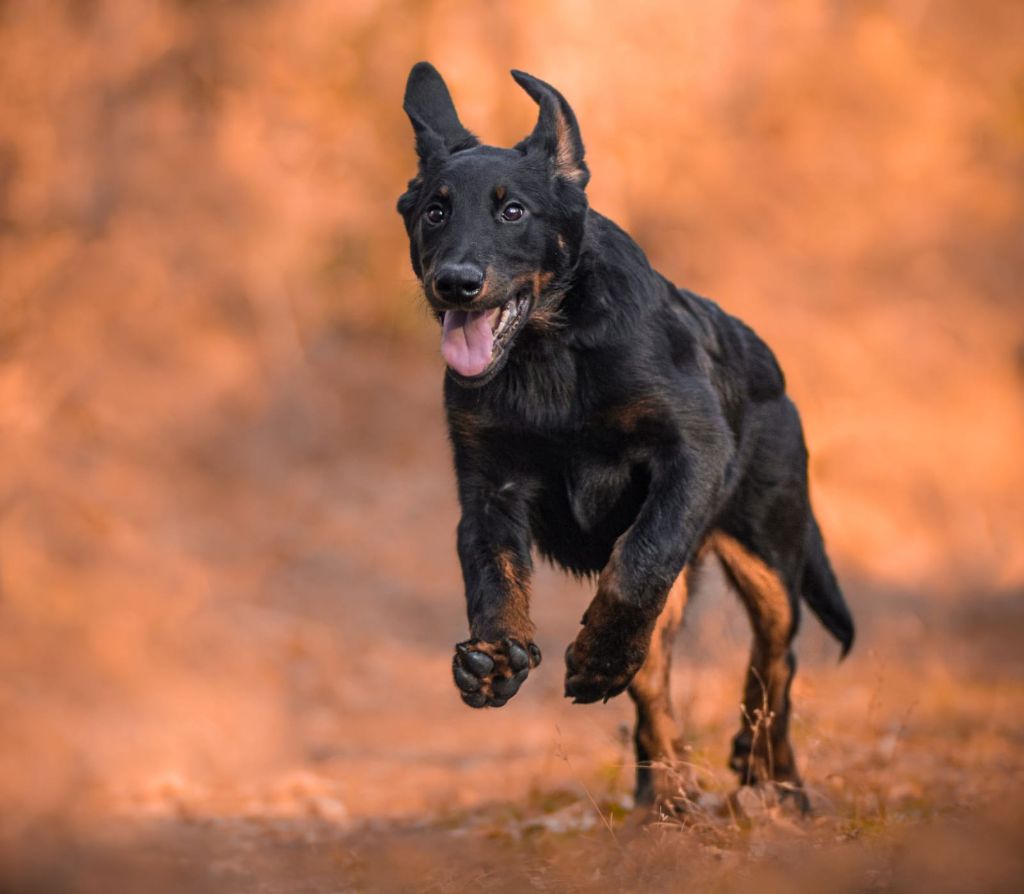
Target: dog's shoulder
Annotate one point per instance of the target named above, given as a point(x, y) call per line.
point(734, 347)
point(660, 330)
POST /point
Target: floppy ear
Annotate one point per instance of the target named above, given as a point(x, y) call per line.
point(557, 132)
point(432, 113)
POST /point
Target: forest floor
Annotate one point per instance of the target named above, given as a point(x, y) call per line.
point(300, 732)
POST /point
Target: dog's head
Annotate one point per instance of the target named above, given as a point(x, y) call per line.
point(494, 233)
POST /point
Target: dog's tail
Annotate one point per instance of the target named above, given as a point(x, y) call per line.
point(821, 590)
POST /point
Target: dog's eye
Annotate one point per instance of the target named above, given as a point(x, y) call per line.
point(434, 214)
point(513, 211)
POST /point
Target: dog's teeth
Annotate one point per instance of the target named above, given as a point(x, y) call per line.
point(503, 319)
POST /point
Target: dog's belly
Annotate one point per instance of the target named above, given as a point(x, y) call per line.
point(580, 514)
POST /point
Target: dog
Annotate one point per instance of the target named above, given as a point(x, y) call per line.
point(614, 424)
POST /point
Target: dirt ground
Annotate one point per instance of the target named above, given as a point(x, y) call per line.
point(308, 737)
point(228, 583)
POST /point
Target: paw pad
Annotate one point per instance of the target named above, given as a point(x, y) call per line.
point(488, 674)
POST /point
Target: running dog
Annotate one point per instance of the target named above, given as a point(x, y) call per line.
point(611, 422)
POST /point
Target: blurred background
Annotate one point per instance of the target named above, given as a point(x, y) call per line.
point(227, 571)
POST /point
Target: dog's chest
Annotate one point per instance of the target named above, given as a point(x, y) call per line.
point(602, 491)
point(582, 506)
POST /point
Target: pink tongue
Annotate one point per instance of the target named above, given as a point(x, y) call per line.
point(467, 341)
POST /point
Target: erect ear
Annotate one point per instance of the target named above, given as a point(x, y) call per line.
point(432, 113)
point(557, 132)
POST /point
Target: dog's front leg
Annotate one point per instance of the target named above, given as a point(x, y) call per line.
point(494, 549)
point(645, 562)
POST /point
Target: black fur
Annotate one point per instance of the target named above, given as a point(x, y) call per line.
point(626, 421)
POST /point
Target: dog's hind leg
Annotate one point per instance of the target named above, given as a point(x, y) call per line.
point(761, 751)
point(658, 777)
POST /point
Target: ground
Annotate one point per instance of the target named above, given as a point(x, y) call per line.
point(296, 729)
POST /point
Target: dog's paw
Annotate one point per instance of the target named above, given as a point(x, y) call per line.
point(596, 671)
point(753, 802)
point(488, 674)
point(610, 648)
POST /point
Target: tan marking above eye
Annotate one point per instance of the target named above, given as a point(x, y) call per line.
point(500, 193)
point(444, 192)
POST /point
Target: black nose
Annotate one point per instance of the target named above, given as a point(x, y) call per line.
point(458, 282)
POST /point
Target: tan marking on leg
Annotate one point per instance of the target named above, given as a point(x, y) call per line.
point(766, 707)
point(515, 614)
point(608, 588)
point(762, 590)
point(660, 777)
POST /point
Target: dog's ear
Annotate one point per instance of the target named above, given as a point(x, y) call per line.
point(432, 113)
point(557, 133)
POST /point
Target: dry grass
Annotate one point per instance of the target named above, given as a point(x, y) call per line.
point(913, 764)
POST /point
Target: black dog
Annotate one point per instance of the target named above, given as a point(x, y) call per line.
point(619, 425)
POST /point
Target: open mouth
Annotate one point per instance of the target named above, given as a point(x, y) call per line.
point(474, 342)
